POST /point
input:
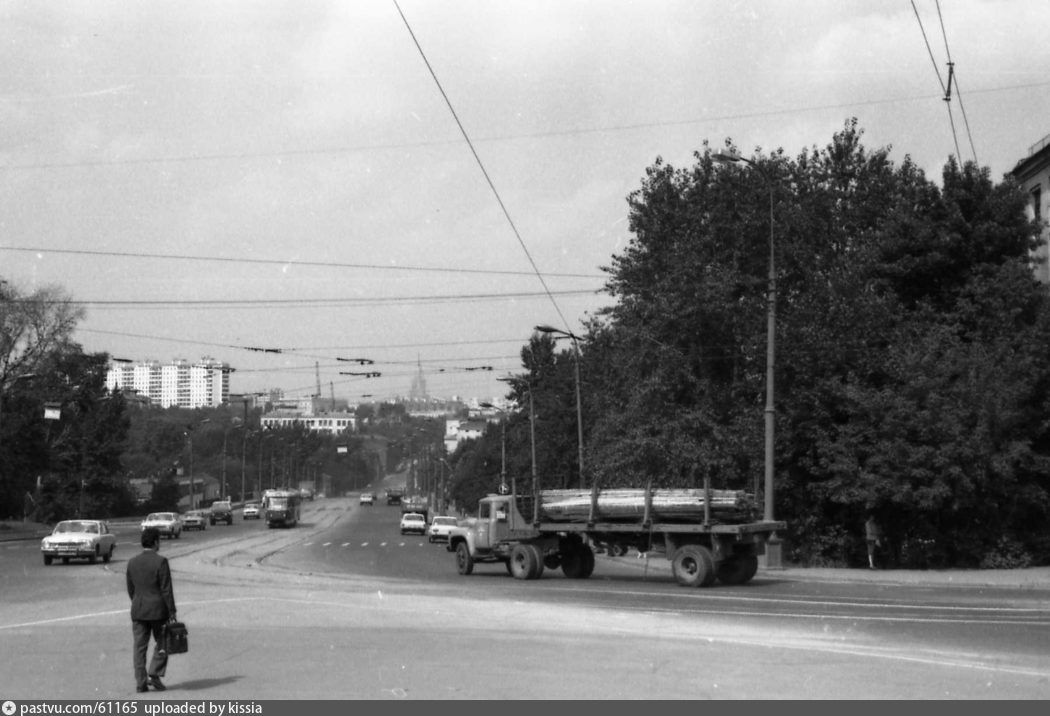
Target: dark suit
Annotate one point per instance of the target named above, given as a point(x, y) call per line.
point(152, 604)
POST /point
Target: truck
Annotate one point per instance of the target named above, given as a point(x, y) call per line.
point(417, 504)
point(708, 535)
point(394, 495)
point(281, 508)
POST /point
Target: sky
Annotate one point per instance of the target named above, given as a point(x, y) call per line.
point(215, 178)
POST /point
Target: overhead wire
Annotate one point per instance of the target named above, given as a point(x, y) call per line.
point(953, 78)
point(286, 262)
point(945, 89)
point(481, 165)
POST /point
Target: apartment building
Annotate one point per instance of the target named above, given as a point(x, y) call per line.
point(1033, 174)
point(205, 383)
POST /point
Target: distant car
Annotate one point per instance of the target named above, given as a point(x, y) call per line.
point(413, 522)
point(79, 539)
point(251, 511)
point(195, 520)
point(440, 527)
point(221, 511)
point(367, 498)
point(167, 523)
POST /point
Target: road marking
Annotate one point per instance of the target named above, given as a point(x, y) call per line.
point(346, 544)
point(326, 544)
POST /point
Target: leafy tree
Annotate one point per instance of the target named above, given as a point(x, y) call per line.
point(32, 325)
point(910, 337)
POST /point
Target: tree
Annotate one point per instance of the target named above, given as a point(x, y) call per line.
point(911, 339)
point(32, 325)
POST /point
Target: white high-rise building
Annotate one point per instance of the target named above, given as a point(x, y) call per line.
point(180, 383)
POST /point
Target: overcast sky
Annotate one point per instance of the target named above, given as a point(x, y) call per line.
point(212, 177)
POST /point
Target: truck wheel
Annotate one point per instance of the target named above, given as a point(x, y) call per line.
point(693, 566)
point(587, 557)
point(738, 570)
point(464, 562)
point(538, 555)
point(93, 557)
point(577, 562)
point(523, 562)
point(552, 561)
point(47, 559)
point(108, 555)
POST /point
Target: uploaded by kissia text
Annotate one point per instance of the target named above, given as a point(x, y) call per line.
point(201, 708)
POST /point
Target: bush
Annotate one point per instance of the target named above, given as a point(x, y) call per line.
point(1006, 554)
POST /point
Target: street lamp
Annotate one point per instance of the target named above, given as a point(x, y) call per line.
point(503, 445)
point(579, 402)
point(532, 436)
point(773, 556)
point(244, 460)
point(189, 441)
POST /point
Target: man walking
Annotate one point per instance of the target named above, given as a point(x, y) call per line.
point(152, 605)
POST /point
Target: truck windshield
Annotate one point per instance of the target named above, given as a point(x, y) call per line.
point(279, 503)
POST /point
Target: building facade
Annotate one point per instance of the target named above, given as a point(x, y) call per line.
point(179, 383)
point(1033, 174)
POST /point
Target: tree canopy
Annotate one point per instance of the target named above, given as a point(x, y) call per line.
point(910, 366)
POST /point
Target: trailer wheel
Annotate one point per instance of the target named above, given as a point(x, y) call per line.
point(693, 566)
point(577, 562)
point(738, 570)
point(552, 561)
point(464, 562)
point(523, 562)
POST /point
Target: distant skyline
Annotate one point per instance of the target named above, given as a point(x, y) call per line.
point(282, 185)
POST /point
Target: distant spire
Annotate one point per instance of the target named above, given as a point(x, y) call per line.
point(419, 383)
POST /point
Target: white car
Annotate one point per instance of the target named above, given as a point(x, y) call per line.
point(413, 522)
point(167, 523)
point(440, 528)
point(367, 498)
point(251, 511)
point(79, 539)
point(195, 520)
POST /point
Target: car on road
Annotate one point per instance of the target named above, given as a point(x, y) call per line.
point(195, 520)
point(367, 498)
point(167, 523)
point(221, 511)
point(440, 527)
point(251, 511)
point(79, 539)
point(413, 522)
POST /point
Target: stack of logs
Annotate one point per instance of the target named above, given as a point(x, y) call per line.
point(628, 505)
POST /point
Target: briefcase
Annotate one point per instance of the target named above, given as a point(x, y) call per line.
point(176, 638)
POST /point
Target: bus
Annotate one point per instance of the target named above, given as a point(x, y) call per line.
point(282, 508)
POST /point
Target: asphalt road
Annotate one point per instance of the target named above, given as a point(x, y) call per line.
point(344, 607)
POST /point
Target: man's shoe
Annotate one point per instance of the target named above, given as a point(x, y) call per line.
point(142, 689)
point(156, 683)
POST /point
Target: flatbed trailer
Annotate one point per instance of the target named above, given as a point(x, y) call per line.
point(703, 546)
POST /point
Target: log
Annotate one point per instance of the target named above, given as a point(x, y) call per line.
point(628, 504)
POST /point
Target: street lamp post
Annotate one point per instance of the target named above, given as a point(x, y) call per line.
point(532, 442)
point(189, 440)
point(244, 460)
point(503, 445)
point(773, 554)
point(579, 402)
